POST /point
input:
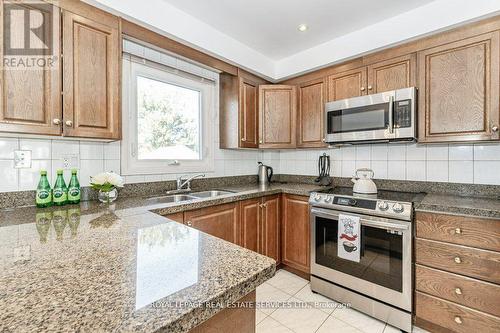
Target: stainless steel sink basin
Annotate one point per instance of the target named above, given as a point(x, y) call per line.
point(210, 194)
point(170, 199)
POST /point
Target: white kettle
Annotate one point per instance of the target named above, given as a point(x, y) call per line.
point(363, 182)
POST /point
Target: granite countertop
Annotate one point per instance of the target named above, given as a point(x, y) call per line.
point(475, 206)
point(122, 267)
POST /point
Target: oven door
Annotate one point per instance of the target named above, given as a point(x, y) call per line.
point(384, 270)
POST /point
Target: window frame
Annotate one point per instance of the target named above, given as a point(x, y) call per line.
point(131, 165)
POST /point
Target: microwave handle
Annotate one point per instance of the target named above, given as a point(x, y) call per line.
point(365, 222)
point(391, 115)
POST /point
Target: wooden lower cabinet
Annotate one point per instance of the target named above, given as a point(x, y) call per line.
point(260, 225)
point(177, 217)
point(295, 233)
point(457, 286)
point(219, 221)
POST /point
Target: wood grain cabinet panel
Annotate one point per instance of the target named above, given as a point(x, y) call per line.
point(91, 72)
point(250, 222)
point(347, 84)
point(310, 127)
point(458, 90)
point(277, 116)
point(459, 289)
point(476, 263)
point(177, 217)
point(463, 230)
point(270, 240)
point(452, 317)
point(392, 74)
point(249, 121)
point(30, 99)
point(295, 233)
point(219, 221)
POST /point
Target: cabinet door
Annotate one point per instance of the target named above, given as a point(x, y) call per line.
point(295, 233)
point(271, 227)
point(347, 84)
point(392, 74)
point(250, 221)
point(277, 116)
point(459, 90)
point(248, 117)
point(30, 97)
point(311, 114)
point(177, 217)
point(219, 221)
point(91, 72)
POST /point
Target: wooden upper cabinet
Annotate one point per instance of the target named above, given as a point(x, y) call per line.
point(30, 98)
point(347, 84)
point(459, 90)
point(277, 116)
point(248, 118)
point(239, 116)
point(91, 74)
point(295, 233)
point(392, 74)
point(310, 128)
point(219, 221)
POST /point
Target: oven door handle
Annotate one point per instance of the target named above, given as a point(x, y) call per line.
point(370, 223)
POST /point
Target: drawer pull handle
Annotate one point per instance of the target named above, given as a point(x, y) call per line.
point(458, 291)
point(458, 231)
point(458, 260)
point(189, 223)
point(458, 320)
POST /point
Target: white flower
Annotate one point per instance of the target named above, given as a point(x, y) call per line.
point(110, 178)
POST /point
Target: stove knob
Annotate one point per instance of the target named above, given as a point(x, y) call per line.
point(328, 199)
point(317, 198)
point(398, 208)
point(382, 205)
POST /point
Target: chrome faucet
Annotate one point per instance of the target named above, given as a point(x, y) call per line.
point(183, 182)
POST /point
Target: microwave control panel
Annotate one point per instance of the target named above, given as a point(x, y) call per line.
point(402, 113)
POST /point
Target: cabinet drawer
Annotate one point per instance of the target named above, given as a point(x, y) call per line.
point(462, 290)
point(463, 230)
point(481, 264)
point(454, 317)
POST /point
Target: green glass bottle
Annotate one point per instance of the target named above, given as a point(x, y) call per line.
point(60, 191)
point(74, 189)
point(43, 191)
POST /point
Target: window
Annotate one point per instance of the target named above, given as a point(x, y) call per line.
point(168, 118)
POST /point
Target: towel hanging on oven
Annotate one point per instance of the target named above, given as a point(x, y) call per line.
point(348, 242)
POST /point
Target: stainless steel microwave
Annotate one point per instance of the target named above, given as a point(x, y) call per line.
point(384, 117)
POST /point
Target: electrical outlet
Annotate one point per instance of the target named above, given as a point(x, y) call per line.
point(22, 159)
point(69, 161)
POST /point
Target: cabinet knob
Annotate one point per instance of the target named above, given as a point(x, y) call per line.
point(69, 123)
point(458, 231)
point(324, 139)
point(494, 128)
point(56, 121)
point(458, 320)
point(458, 291)
point(243, 139)
point(260, 141)
point(362, 88)
point(458, 260)
point(370, 87)
point(189, 223)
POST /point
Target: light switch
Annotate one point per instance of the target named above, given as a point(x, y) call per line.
point(22, 159)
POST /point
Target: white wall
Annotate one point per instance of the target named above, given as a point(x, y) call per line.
point(473, 163)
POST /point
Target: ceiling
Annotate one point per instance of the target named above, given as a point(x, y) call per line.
point(270, 26)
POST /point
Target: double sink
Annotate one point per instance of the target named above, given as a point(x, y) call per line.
point(175, 198)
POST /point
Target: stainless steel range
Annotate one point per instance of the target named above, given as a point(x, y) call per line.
point(380, 282)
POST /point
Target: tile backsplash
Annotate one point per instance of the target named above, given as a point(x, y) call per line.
point(467, 163)
point(94, 157)
point(470, 163)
